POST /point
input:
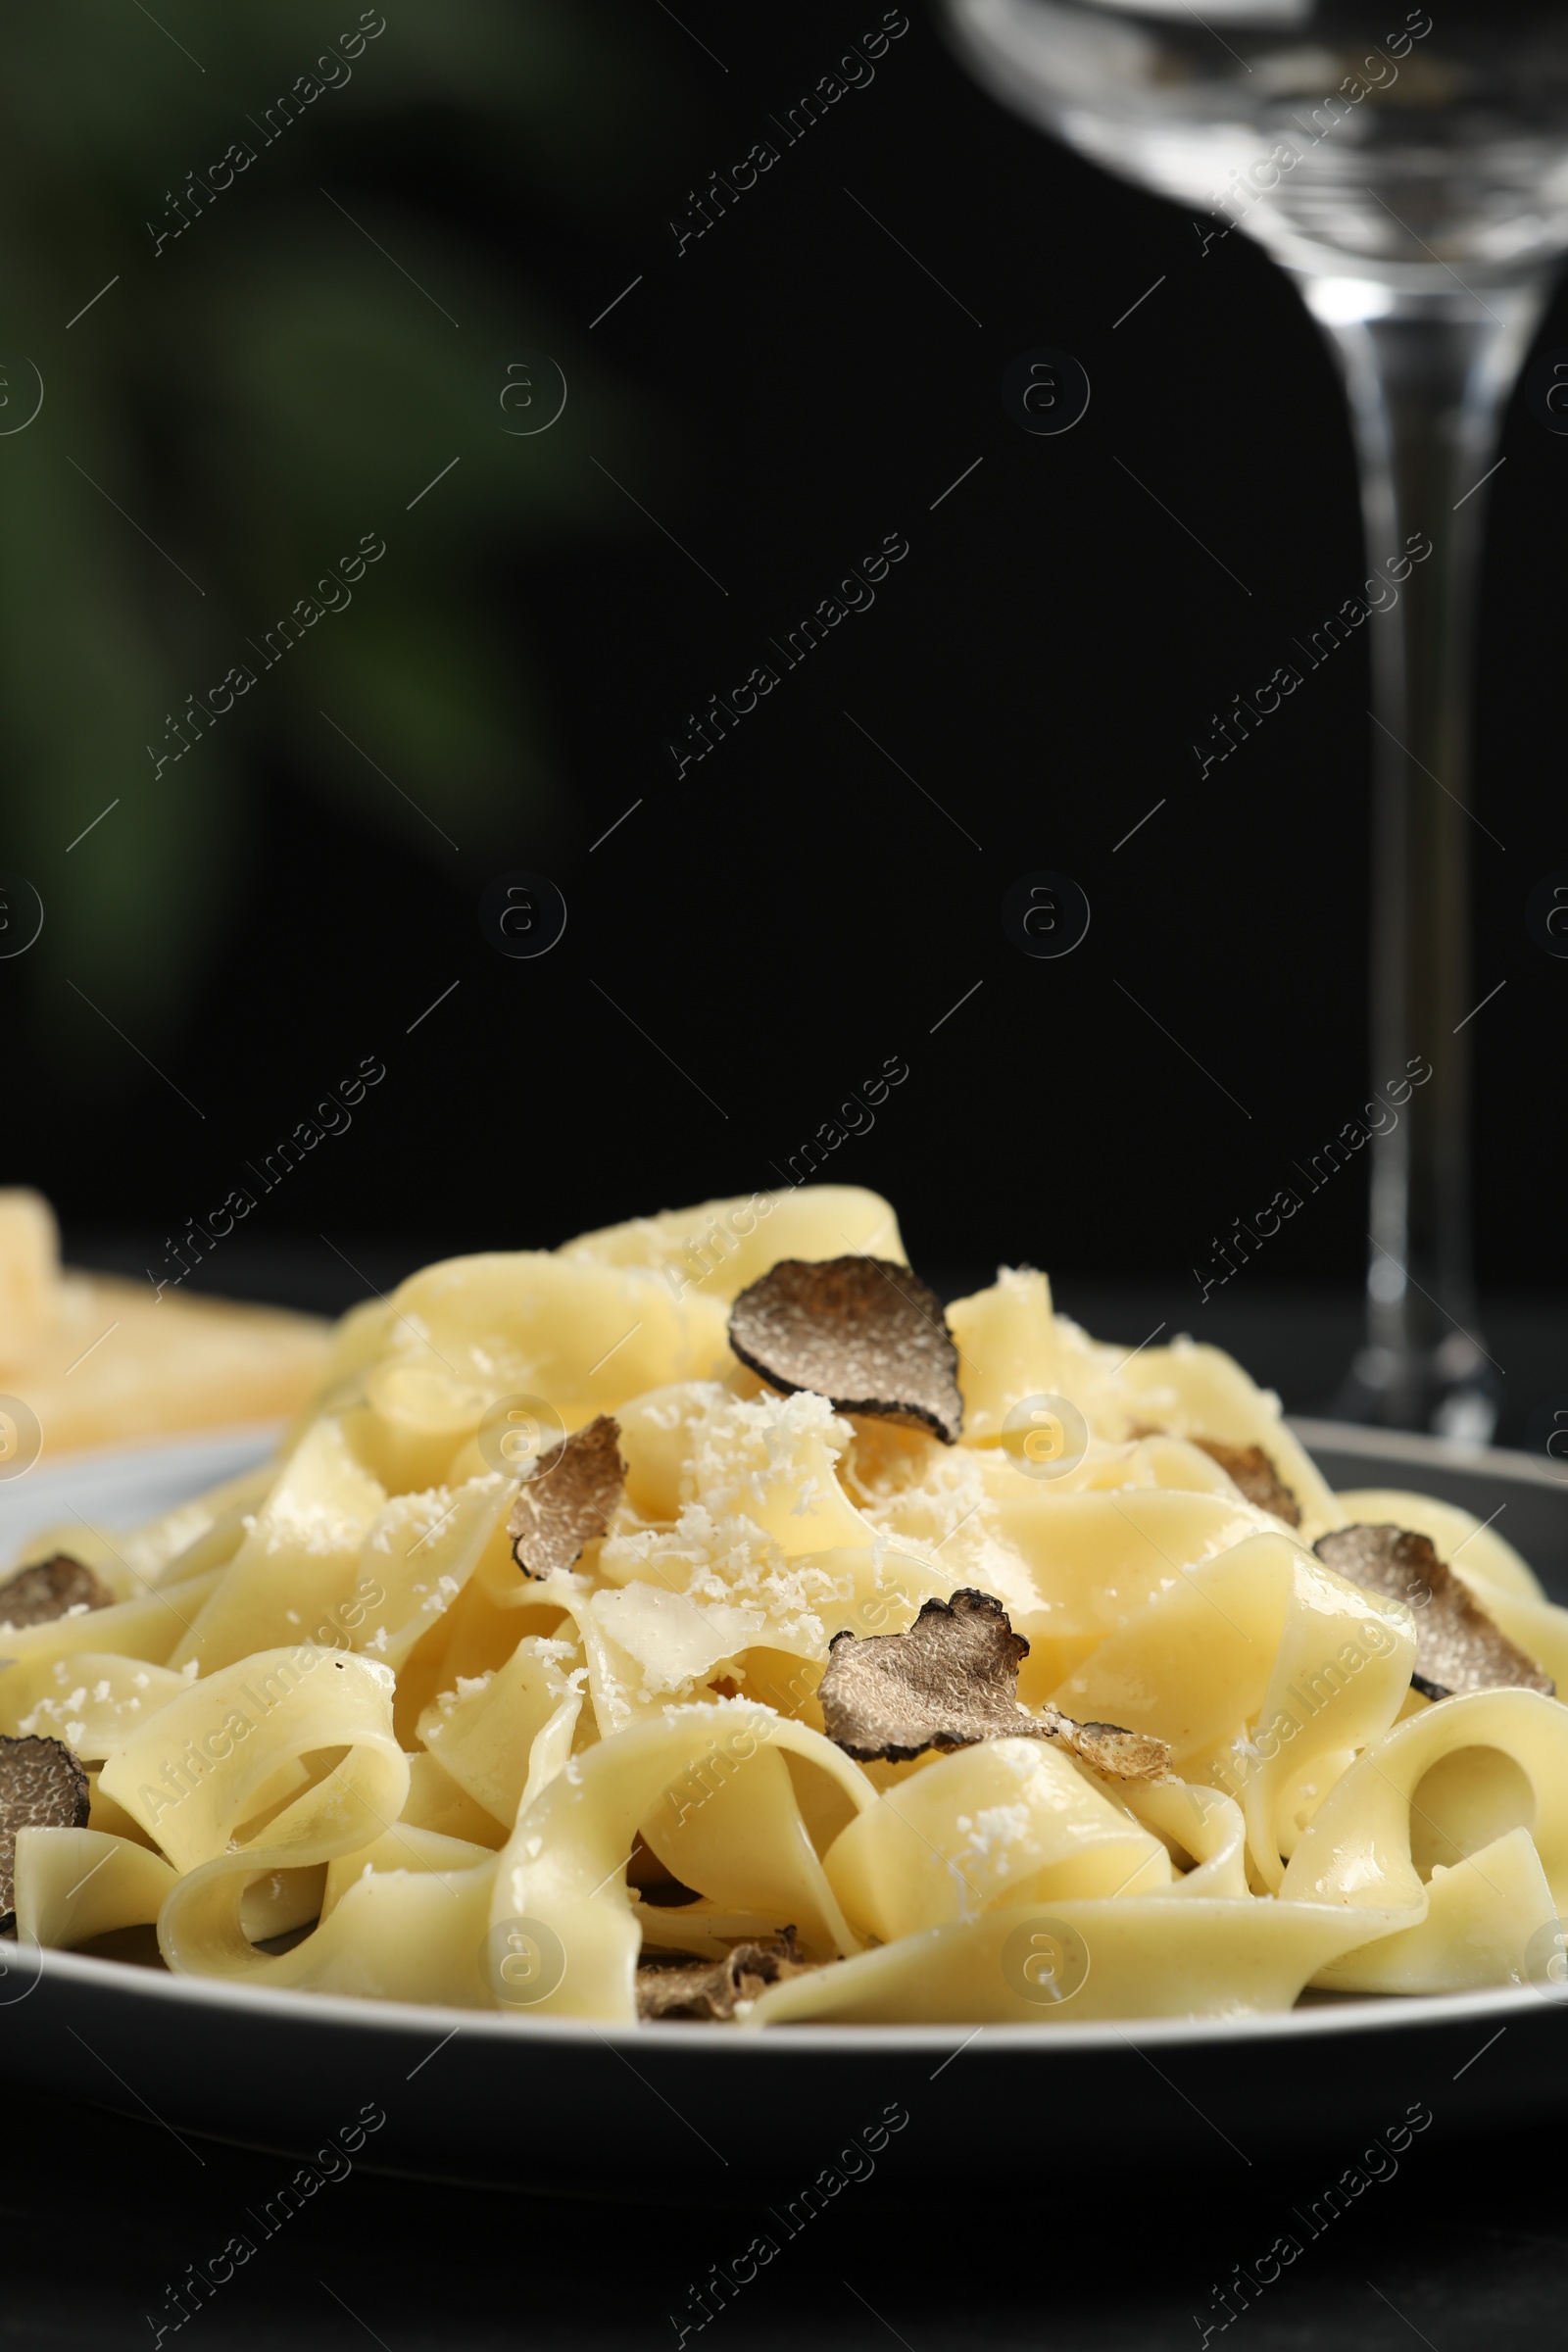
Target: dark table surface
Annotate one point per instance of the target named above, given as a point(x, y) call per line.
point(1459, 2242)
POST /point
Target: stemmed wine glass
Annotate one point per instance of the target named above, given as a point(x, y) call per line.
point(1411, 171)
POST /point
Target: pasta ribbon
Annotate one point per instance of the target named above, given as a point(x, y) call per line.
point(578, 1334)
point(1158, 1957)
point(482, 1734)
point(1463, 1788)
point(1196, 1391)
point(147, 1628)
point(1265, 1672)
point(566, 1863)
point(1011, 1821)
point(73, 1885)
point(301, 1553)
point(234, 1754)
point(210, 1762)
point(721, 1247)
point(95, 1699)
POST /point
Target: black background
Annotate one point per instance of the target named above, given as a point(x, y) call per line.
point(764, 930)
point(1459, 2241)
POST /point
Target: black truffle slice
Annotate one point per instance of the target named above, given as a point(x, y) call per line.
point(43, 1786)
point(1457, 1646)
point(952, 1680)
point(568, 1501)
point(709, 1989)
point(863, 1332)
point(1250, 1469)
point(48, 1589)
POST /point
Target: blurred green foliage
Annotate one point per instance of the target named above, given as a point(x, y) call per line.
point(256, 395)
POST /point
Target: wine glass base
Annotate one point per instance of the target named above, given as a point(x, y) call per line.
point(1445, 1390)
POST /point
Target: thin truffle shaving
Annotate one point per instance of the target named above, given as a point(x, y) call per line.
point(48, 1589)
point(1250, 1469)
point(568, 1501)
point(951, 1681)
point(43, 1786)
point(863, 1332)
point(710, 1989)
point(1458, 1647)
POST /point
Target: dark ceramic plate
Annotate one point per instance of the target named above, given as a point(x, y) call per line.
point(673, 2112)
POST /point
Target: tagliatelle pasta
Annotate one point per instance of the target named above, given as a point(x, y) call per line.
point(351, 1723)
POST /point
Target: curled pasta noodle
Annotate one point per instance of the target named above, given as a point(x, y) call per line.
point(1477, 1790)
point(569, 1846)
point(73, 1885)
point(338, 1735)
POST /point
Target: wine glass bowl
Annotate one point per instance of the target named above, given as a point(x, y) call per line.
point(1403, 156)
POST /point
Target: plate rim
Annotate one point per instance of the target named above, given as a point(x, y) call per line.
point(1418, 1450)
point(131, 1452)
point(1407, 2012)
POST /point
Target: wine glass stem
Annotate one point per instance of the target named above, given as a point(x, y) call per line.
point(1426, 382)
